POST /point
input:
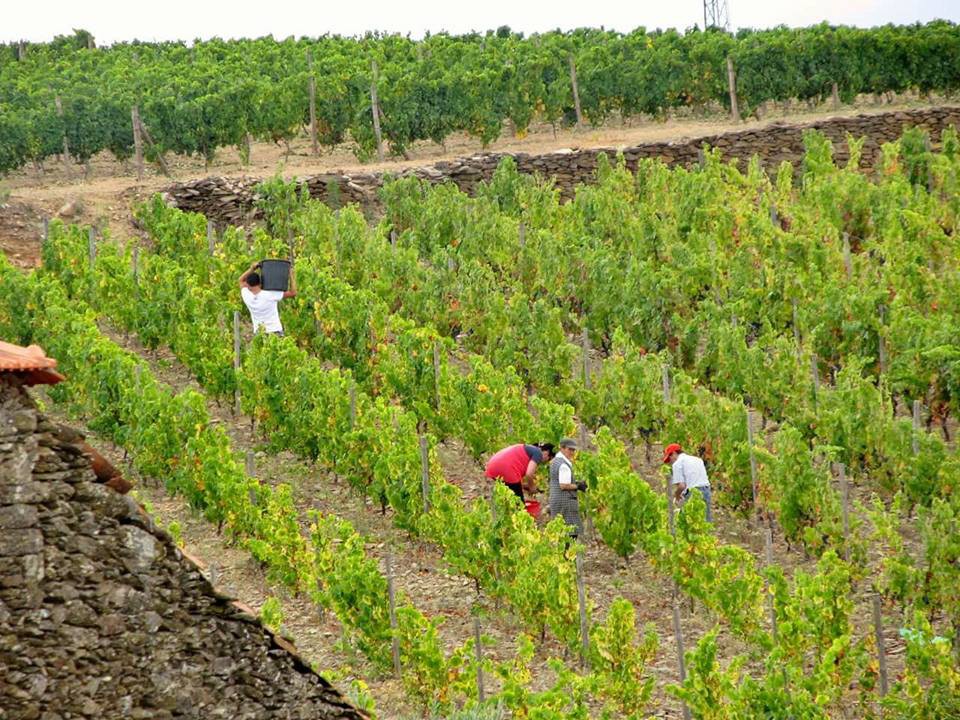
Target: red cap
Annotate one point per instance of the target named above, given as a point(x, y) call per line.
point(670, 450)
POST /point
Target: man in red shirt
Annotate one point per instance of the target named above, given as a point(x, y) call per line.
point(517, 466)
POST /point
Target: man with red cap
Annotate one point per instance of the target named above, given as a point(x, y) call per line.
point(689, 473)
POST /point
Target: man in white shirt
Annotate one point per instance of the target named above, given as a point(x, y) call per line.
point(689, 473)
point(261, 303)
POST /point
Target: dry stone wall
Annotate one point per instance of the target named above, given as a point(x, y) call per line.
point(101, 615)
point(230, 201)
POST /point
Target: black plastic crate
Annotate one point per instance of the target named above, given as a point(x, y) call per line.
point(275, 274)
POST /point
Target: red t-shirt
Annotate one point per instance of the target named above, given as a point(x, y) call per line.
point(510, 464)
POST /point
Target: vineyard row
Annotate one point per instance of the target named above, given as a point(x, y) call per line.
point(70, 99)
point(619, 652)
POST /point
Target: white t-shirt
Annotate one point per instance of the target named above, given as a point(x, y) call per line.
point(690, 471)
point(263, 308)
point(566, 471)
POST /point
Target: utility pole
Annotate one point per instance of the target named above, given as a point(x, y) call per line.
point(716, 14)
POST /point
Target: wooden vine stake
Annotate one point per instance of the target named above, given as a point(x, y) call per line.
point(375, 109)
point(670, 510)
point(665, 376)
point(493, 521)
point(523, 234)
point(582, 601)
point(250, 467)
point(576, 91)
point(796, 324)
point(732, 87)
point(44, 235)
point(436, 377)
point(845, 497)
point(425, 469)
point(753, 461)
point(916, 427)
point(835, 96)
point(771, 606)
point(717, 295)
point(881, 343)
point(676, 595)
point(138, 384)
point(847, 258)
point(248, 149)
point(145, 134)
point(478, 652)
point(137, 142)
point(66, 147)
point(92, 245)
point(881, 645)
point(585, 349)
point(393, 614)
point(588, 529)
point(352, 392)
point(236, 359)
point(815, 376)
point(211, 237)
point(678, 637)
point(312, 91)
point(135, 259)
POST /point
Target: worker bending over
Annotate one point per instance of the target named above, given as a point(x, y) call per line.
point(517, 466)
point(689, 473)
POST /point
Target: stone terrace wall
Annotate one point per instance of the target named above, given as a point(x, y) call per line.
point(230, 201)
point(101, 616)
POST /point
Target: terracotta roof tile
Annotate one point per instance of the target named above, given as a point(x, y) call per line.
point(31, 361)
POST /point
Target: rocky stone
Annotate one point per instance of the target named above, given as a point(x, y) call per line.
point(142, 546)
point(70, 209)
point(61, 592)
point(15, 517)
point(38, 685)
point(111, 625)
point(222, 666)
point(23, 421)
point(28, 541)
point(152, 621)
point(102, 617)
point(80, 614)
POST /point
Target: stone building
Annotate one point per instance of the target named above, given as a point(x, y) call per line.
point(101, 615)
